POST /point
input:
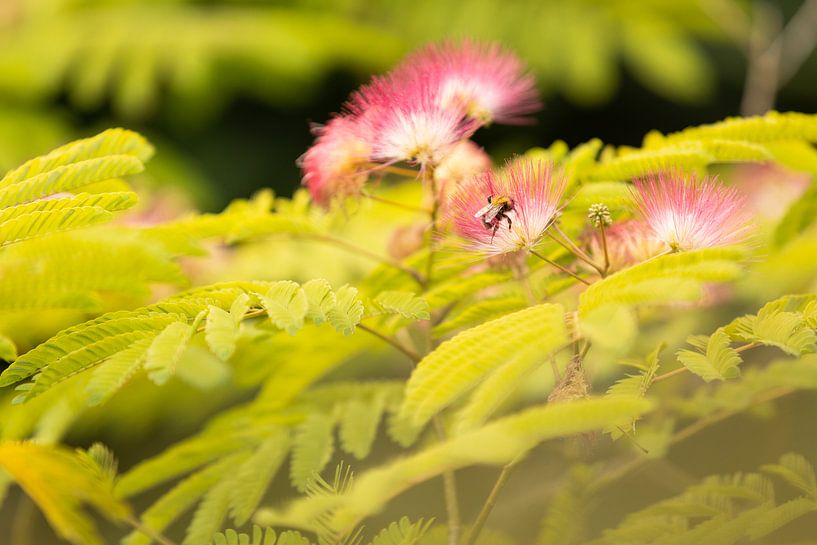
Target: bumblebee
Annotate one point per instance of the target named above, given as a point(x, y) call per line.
point(494, 212)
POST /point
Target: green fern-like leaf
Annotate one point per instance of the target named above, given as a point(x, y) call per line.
point(797, 471)
point(798, 217)
point(255, 475)
point(462, 362)
point(496, 443)
point(286, 304)
point(166, 350)
point(642, 162)
point(358, 426)
point(69, 177)
point(772, 126)
point(481, 311)
point(116, 371)
point(320, 300)
point(347, 312)
point(8, 351)
point(780, 516)
point(38, 218)
point(266, 536)
point(210, 513)
point(787, 331)
point(668, 278)
point(403, 532)
point(564, 523)
point(179, 499)
point(312, 448)
point(221, 331)
point(720, 362)
point(60, 482)
point(406, 304)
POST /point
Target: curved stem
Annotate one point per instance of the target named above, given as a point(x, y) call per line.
point(408, 352)
point(682, 370)
point(606, 254)
point(452, 507)
point(430, 182)
point(560, 267)
point(365, 252)
point(490, 502)
point(155, 536)
point(571, 247)
point(396, 204)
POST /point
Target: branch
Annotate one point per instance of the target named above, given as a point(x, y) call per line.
point(408, 352)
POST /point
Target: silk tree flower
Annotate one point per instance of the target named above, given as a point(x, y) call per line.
point(407, 122)
point(485, 79)
point(337, 163)
point(686, 213)
point(534, 192)
point(628, 242)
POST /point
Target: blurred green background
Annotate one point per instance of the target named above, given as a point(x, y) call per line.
point(226, 89)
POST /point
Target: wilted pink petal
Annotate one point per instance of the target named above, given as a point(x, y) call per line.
point(686, 213)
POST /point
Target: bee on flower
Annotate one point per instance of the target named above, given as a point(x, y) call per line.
point(501, 213)
point(686, 213)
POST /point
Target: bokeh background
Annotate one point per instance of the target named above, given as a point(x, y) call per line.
point(227, 88)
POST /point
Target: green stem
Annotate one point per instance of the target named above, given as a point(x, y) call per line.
point(490, 502)
point(606, 254)
point(359, 250)
point(682, 370)
point(560, 267)
point(452, 506)
point(571, 247)
point(408, 352)
point(431, 183)
point(396, 204)
point(155, 536)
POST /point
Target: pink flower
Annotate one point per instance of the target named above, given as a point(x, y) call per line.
point(406, 120)
point(628, 243)
point(464, 161)
point(487, 81)
point(336, 164)
point(524, 201)
point(687, 214)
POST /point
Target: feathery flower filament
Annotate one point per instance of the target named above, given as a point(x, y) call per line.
point(686, 213)
point(407, 122)
point(501, 213)
point(336, 165)
point(487, 81)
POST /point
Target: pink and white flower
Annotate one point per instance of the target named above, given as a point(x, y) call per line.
point(534, 191)
point(337, 164)
point(686, 213)
point(489, 82)
point(406, 120)
point(465, 161)
point(628, 242)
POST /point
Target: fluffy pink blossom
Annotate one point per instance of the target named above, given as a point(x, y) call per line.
point(487, 81)
point(628, 242)
point(406, 120)
point(534, 192)
point(336, 165)
point(686, 213)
